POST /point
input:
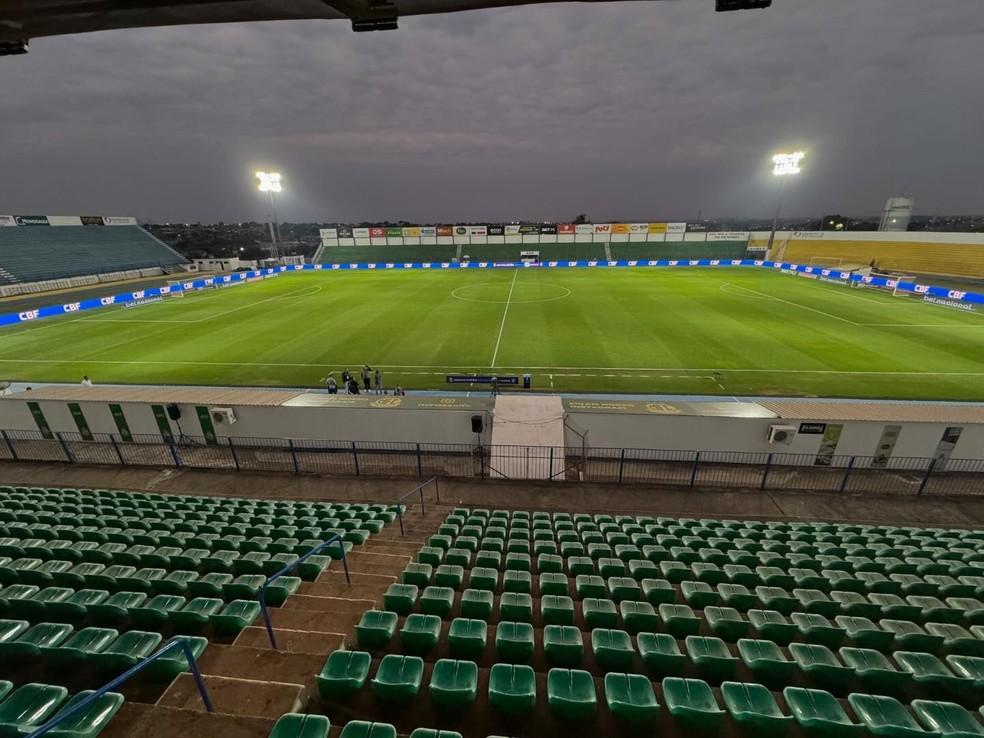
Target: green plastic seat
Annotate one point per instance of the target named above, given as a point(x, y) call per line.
point(517, 581)
point(156, 612)
point(116, 607)
point(885, 716)
point(864, 633)
point(32, 642)
point(375, 628)
point(711, 657)
point(563, 645)
point(612, 649)
point(558, 610)
point(766, 661)
point(737, 596)
point(679, 620)
point(512, 689)
point(28, 707)
point(658, 592)
point(10, 629)
point(365, 729)
point(578, 565)
point(35, 607)
point(819, 713)
point(726, 622)
point(893, 607)
point(467, 638)
point(344, 674)
point(174, 582)
point(908, 636)
point(968, 667)
point(514, 642)
point(692, 703)
point(400, 598)
point(449, 575)
point(210, 585)
point(437, 601)
point(454, 684)
point(819, 663)
point(477, 603)
point(420, 633)
point(234, 617)
point(777, 598)
point(590, 586)
point(815, 628)
point(484, 578)
point(516, 606)
point(630, 697)
point(753, 707)
point(772, 625)
point(417, 574)
point(638, 617)
point(125, 651)
point(196, 613)
point(398, 678)
point(661, 654)
point(301, 725)
point(874, 670)
point(571, 694)
point(76, 649)
point(948, 719)
point(621, 589)
point(927, 670)
point(167, 667)
point(554, 584)
point(957, 639)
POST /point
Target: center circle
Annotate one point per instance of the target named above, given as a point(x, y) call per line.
point(498, 293)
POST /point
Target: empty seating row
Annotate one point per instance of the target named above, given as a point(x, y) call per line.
point(31, 705)
point(106, 650)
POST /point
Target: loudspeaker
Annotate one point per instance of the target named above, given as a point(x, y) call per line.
point(477, 424)
point(173, 412)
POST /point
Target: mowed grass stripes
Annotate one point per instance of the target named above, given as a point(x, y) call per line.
point(706, 331)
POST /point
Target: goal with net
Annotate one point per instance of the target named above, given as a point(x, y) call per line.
point(175, 288)
point(898, 285)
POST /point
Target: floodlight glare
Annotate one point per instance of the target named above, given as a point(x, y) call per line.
point(785, 164)
point(269, 181)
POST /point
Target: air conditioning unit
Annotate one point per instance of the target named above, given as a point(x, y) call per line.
point(782, 434)
point(223, 415)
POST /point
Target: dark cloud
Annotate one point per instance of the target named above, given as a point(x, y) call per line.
point(628, 110)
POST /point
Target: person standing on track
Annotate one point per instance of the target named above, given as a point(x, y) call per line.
point(332, 385)
point(366, 377)
point(346, 378)
point(378, 382)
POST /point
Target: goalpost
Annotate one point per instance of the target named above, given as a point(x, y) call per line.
point(888, 282)
point(173, 293)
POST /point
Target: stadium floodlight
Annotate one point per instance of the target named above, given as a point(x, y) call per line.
point(270, 184)
point(783, 166)
point(786, 164)
point(269, 181)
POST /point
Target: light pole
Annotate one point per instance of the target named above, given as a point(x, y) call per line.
point(270, 184)
point(783, 166)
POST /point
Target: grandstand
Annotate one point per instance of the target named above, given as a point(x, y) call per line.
point(39, 253)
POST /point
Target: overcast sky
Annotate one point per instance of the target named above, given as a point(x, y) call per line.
point(622, 110)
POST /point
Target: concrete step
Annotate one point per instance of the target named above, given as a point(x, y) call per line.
point(394, 547)
point(318, 621)
point(292, 641)
point(264, 664)
point(367, 587)
point(326, 604)
point(373, 563)
point(136, 720)
point(231, 696)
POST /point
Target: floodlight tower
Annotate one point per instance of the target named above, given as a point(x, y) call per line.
point(783, 166)
point(270, 184)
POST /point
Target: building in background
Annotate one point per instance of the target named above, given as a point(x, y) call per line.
point(897, 214)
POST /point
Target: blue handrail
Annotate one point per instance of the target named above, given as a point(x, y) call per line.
point(419, 488)
point(83, 704)
point(289, 568)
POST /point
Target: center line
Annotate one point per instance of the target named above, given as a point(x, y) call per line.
point(504, 312)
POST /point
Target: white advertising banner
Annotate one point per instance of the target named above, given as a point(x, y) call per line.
point(360, 233)
point(7, 220)
point(676, 227)
point(118, 220)
point(328, 233)
point(728, 236)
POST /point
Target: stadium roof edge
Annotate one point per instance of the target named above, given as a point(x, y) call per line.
point(22, 20)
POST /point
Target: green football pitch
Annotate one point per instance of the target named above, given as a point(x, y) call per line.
point(686, 331)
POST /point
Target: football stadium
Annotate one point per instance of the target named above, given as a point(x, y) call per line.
point(483, 479)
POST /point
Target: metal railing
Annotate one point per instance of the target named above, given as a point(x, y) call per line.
point(83, 704)
point(398, 507)
point(613, 466)
point(261, 595)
